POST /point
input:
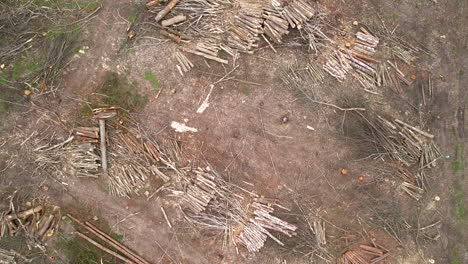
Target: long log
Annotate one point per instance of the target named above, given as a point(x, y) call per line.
point(127, 252)
point(104, 248)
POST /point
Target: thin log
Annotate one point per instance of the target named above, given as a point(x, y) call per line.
point(415, 129)
point(166, 10)
point(104, 248)
point(174, 20)
point(44, 226)
point(152, 3)
point(206, 56)
point(171, 36)
point(26, 213)
point(102, 132)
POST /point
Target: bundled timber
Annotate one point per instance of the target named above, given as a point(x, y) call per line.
point(244, 31)
point(405, 143)
point(83, 160)
point(337, 65)
point(105, 112)
point(136, 156)
point(205, 55)
point(87, 134)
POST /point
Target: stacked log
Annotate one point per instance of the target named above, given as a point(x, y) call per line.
point(244, 31)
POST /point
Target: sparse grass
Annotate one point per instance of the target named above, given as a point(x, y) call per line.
point(247, 90)
point(75, 5)
point(120, 92)
point(80, 251)
point(458, 163)
point(133, 16)
point(153, 80)
point(455, 258)
point(459, 201)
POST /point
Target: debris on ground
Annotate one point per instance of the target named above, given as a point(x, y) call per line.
point(36, 221)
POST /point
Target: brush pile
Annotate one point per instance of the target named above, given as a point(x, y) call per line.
point(34, 220)
point(41, 37)
point(403, 143)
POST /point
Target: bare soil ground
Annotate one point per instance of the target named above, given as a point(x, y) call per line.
point(258, 130)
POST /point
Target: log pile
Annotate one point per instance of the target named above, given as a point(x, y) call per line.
point(134, 157)
point(83, 159)
point(364, 255)
point(244, 31)
point(211, 203)
point(337, 65)
point(35, 221)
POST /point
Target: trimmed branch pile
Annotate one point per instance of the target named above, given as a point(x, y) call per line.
point(408, 145)
point(402, 142)
point(35, 221)
point(364, 255)
point(212, 203)
point(78, 157)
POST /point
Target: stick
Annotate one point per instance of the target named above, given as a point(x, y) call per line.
point(102, 132)
point(104, 248)
point(165, 217)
